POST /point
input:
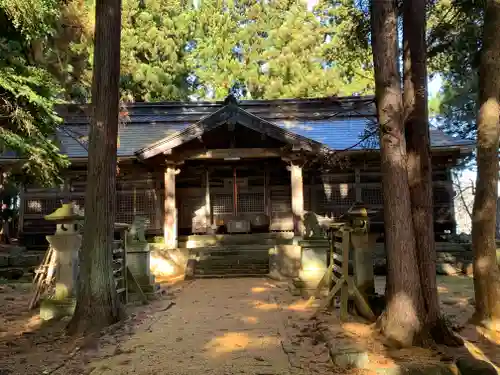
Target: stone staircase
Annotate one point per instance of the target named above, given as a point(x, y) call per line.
point(235, 261)
point(235, 255)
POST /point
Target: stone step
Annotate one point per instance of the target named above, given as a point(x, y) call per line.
point(208, 264)
point(314, 243)
point(232, 271)
point(195, 241)
point(233, 248)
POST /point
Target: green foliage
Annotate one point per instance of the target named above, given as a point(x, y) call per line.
point(155, 34)
point(347, 44)
point(28, 91)
point(274, 49)
point(454, 44)
point(277, 49)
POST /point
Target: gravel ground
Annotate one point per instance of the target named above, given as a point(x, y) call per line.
point(221, 326)
point(213, 326)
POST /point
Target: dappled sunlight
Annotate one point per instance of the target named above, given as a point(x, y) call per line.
point(162, 267)
point(23, 324)
point(492, 333)
point(265, 306)
point(238, 341)
point(442, 289)
point(33, 323)
point(249, 319)
point(300, 306)
point(483, 263)
point(358, 336)
point(356, 330)
point(259, 289)
point(477, 353)
point(270, 285)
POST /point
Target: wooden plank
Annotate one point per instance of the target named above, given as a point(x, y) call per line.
point(229, 153)
point(344, 293)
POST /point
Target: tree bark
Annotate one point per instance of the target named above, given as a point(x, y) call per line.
point(486, 274)
point(419, 164)
point(401, 321)
point(97, 302)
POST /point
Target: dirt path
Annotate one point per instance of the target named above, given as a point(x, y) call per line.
point(220, 326)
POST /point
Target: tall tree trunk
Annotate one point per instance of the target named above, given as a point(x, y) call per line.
point(401, 321)
point(486, 274)
point(97, 302)
point(419, 163)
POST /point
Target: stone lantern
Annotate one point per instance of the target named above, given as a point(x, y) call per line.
point(363, 243)
point(66, 243)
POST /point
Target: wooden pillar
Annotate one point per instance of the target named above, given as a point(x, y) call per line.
point(158, 175)
point(297, 198)
point(208, 206)
point(357, 184)
point(170, 213)
point(267, 193)
point(22, 208)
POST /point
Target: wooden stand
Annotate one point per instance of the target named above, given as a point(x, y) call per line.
point(44, 277)
point(344, 284)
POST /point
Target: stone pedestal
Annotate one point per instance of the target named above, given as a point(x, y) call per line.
point(66, 247)
point(363, 244)
point(285, 261)
point(138, 261)
point(66, 243)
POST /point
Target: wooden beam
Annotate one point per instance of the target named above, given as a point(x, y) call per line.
point(242, 153)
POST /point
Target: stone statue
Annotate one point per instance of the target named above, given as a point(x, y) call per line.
point(136, 234)
point(316, 225)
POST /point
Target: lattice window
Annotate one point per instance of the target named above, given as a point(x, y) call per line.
point(222, 204)
point(371, 196)
point(42, 206)
point(142, 203)
point(337, 195)
point(251, 202)
point(337, 178)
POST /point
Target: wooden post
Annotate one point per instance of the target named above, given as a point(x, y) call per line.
point(157, 205)
point(170, 214)
point(267, 193)
point(208, 206)
point(357, 182)
point(344, 290)
point(297, 199)
point(22, 208)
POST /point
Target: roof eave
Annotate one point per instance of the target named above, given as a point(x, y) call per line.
point(182, 136)
point(220, 117)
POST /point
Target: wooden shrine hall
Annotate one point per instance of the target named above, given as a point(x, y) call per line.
point(237, 167)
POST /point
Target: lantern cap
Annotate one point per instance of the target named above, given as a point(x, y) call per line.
point(65, 213)
point(359, 209)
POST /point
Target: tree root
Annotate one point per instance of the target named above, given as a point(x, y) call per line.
point(442, 334)
point(439, 334)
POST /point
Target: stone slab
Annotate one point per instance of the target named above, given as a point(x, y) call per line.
point(26, 260)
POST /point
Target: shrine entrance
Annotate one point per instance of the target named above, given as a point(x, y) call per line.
point(211, 194)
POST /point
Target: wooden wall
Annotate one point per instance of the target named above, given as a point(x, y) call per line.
point(140, 192)
point(332, 194)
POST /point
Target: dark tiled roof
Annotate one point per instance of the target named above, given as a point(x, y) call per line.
point(338, 123)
